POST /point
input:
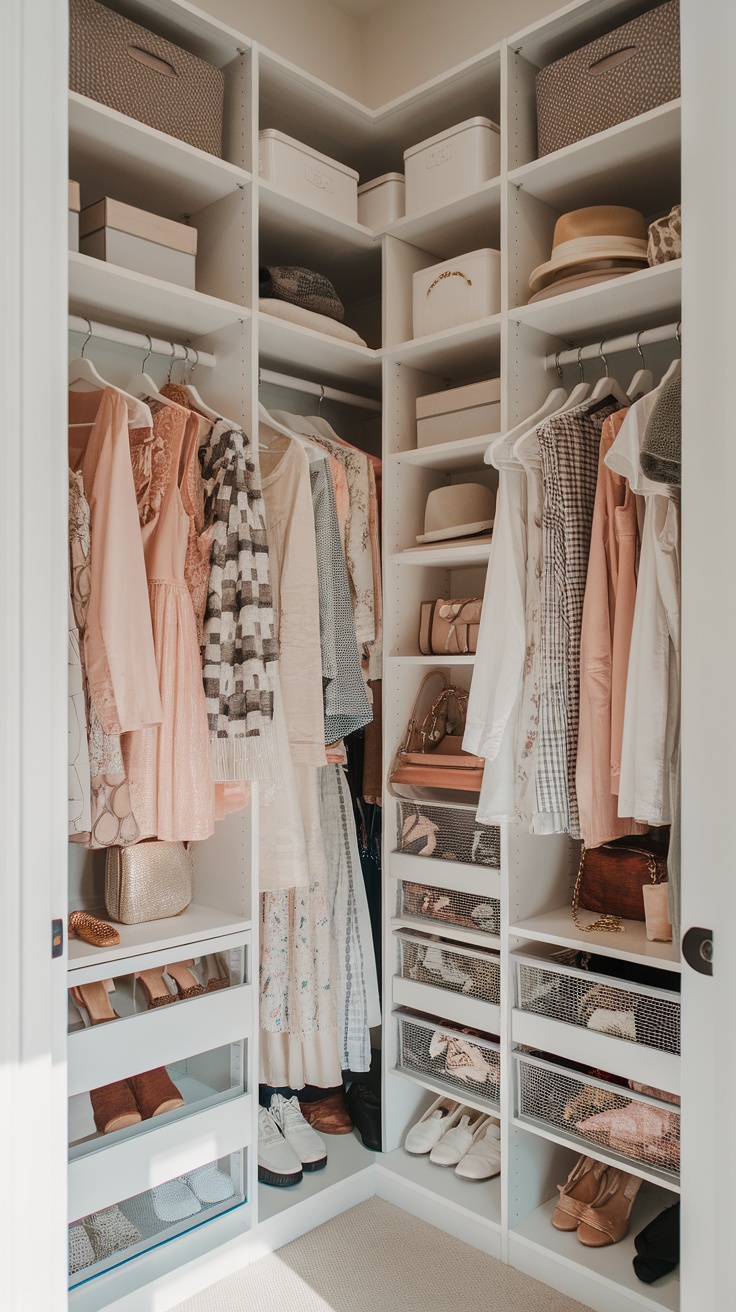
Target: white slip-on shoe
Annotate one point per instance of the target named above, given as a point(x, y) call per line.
point(278, 1164)
point(483, 1158)
point(209, 1184)
point(453, 1146)
point(428, 1131)
point(307, 1144)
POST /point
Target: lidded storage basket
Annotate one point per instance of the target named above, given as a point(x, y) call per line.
point(451, 163)
point(301, 172)
point(457, 292)
point(123, 65)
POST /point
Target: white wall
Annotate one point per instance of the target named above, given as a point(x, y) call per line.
point(409, 41)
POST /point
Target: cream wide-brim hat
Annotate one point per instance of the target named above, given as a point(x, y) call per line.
point(458, 511)
point(598, 232)
point(575, 281)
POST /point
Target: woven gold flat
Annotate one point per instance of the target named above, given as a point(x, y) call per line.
point(91, 930)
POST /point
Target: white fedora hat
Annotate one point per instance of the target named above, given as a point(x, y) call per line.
point(457, 511)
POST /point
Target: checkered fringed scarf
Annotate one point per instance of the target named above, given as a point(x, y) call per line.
point(239, 647)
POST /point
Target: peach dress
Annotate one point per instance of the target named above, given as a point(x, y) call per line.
point(168, 767)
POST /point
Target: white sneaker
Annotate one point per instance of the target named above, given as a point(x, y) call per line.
point(298, 1133)
point(483, 1158)
point(428, 1131)
point(277, 1162)
point(453, 1146)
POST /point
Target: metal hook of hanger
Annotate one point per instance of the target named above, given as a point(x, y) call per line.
point(558, 366)
point(321, 399)
point(194, 363)
point(580, 364)
point(173, 361)
point(86, 340)
point(602, 357)
point(641, 353)
point(679, 336)
point(148, 354)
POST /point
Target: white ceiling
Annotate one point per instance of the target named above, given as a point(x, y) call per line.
point(361, 8)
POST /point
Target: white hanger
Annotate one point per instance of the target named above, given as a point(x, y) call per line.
point(578, 394)
point(143, 385)
point(83, 371)
point(266, 419)
point(674, 368)
point(193, 394)
point(502, 448)
point(607, 386)
point(642, 382)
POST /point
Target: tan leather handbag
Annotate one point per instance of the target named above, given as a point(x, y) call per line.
point(611, 880)
point(432, 755)
point(148, 881)
point(450, 627)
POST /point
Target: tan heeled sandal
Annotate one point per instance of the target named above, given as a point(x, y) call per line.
point(186, 984)
point(155, 987)
point(93, 1001)
point(579, 1191)
point(91, 930)
point(606, 1221)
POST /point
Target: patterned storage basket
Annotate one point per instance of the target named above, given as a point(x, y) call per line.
point(123, 65)
point(472, 972)
point(622, 74)
point(447, 833)
point(469, 1062)
point(639, 1124)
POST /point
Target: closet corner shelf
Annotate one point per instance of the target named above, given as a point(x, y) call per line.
point(471, 350)
point(111, 154)
point(633, 945)
point(127, 299)
point(641, 300)
point(447, 557)
point(577, 1145)
point(346, 1157)
point(612, 1266)
point(637, 161)
point(317, 356)
point(479, 1200)
point(466, 453)
point(193, 925)
point(464, 223)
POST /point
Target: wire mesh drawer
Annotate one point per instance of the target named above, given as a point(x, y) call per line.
point(636, 1012)
point(473, 972)
point(635, 1123)
point(447, 833)
point(466, 1061)
point(447, 906)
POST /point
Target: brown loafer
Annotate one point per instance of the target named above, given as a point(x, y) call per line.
point(330, 1115)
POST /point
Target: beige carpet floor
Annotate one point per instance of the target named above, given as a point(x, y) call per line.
point(377, 1256)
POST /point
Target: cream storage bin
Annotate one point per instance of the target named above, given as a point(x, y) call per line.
point(381, 201)
point(304, 174)
point(457, 292)
point(74, 208)
point(138, 240)
point(459, 412)
point(452, 163)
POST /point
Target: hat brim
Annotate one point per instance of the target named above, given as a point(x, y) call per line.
point(576, 281)
point(456, 531)
point(545, 273)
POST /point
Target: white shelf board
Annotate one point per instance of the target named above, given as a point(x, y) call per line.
point(633, 945)
point(127, 299)
point(291, 232)
point(113, 155)
point(580, 1145)
point(472, 938)
point(638, 300)
point(398, 661)
point(448, 557)
point(318, 356)
point(462, 876)
point(194, 925)
point(345, 1156)
point(466, 453)
point(610, 1266)
point(470, 351)
point(440, 1089)
point(295, 218)
point(480, 1199)
point(465, 223)
point(637, 161)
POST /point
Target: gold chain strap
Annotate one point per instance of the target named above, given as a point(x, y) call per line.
point(605, 923)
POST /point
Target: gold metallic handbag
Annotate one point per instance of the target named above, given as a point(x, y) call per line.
point(148, 881)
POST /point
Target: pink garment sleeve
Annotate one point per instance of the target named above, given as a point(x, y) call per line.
point(118, 642)
point(300, 653)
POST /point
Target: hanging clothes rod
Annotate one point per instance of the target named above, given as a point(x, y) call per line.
point(614, 345)
point(140, 341)
point(316, 389)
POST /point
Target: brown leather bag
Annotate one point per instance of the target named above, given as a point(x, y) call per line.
point(611, 879)
point(450, 627)
point(432, 755)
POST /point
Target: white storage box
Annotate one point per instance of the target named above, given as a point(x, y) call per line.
point(75, 205)
point(381, 201)
point(303, 173)
point(457, 292)
point(122, 234)
point(452, 163)
point(459, 412)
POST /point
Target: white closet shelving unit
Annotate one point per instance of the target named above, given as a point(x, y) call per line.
point(211, 1043)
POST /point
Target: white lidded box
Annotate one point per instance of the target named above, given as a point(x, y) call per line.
point(452, 163)
point(458, 412)
point(75, 205)
point(381, 201)
point(457, 291)
point(135, 239)
point(304, 174)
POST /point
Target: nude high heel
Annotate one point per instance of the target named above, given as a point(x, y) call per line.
point(185, 982)
point(155, 987)
point(93, 1001)
point(580, 1189)
point(606, 1220)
